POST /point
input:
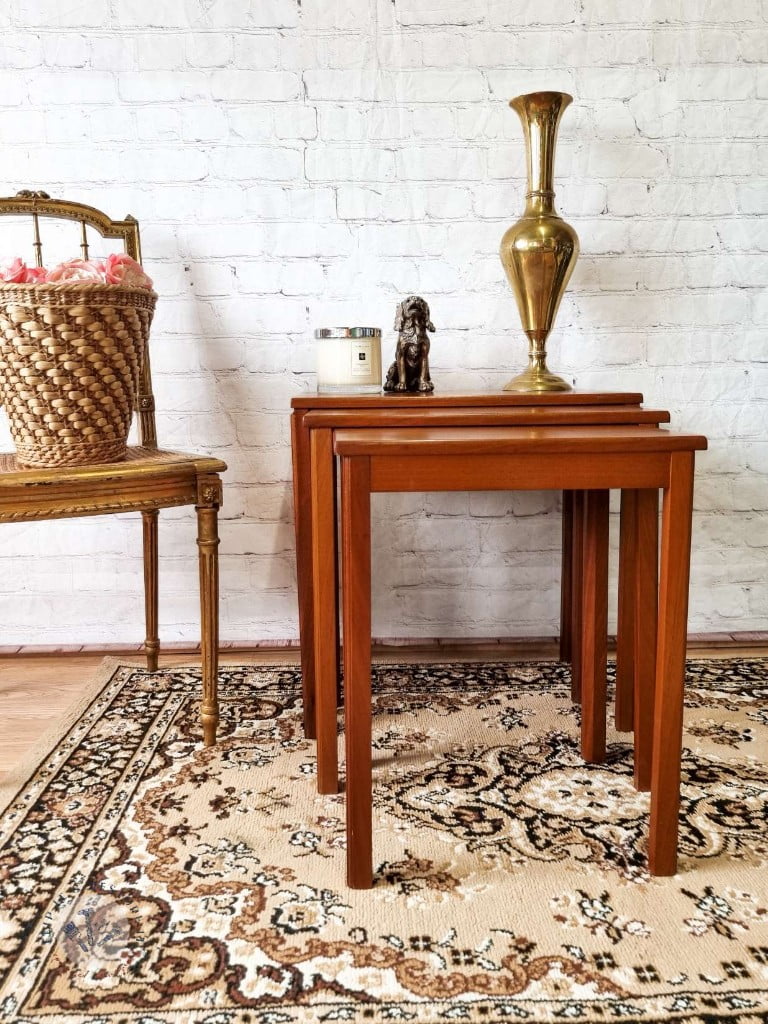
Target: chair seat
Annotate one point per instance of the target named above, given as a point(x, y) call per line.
point(135, 457)
point(147, 478)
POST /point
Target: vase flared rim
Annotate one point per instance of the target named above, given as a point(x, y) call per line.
point(544, 99)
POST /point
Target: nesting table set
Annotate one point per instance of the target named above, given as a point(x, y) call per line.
point(581, 443)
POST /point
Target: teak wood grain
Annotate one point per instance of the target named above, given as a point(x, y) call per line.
point(315, 417)
point(625, 643)
point(567, 603)
point(594, 612)
point(646, 547)
point(356, 593)
point(326, 619)
point(642, 460)
point(608, 415)
point(670, 664)
point(475, 440)
point(462, 399)
point(577, 559)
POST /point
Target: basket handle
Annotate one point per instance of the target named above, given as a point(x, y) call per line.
point(83, 240)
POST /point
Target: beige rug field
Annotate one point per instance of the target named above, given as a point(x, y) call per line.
point(145, 879)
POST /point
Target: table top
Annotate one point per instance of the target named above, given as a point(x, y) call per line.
point(535, 415)
point(512, 440)
point(458, 399)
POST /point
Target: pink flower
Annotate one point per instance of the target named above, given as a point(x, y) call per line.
point(77, 270)
point(117, 269)
point(122, 269)
point(14, 272)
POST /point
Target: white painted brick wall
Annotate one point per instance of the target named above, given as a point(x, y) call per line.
point(297, 163)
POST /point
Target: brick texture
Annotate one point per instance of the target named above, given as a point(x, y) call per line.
point(297, 163)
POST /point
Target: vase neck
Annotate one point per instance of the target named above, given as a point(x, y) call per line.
point(540, 204)
point(540, 114)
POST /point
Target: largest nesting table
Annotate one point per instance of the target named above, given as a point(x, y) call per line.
point(591, 459)
point(313, 422)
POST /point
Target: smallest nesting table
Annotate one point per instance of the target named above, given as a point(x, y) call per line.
point(588, 459)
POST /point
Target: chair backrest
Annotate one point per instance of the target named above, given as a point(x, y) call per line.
point(40, 204)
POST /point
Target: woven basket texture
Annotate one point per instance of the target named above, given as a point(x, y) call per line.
point(70, 359)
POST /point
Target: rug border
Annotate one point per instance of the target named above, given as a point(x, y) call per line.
point(14, 780)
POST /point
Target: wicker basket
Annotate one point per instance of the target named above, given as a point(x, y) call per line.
point(70, 358)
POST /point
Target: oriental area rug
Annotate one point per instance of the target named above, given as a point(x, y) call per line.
point(147, 880)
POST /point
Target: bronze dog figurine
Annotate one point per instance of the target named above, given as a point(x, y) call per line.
point(410, 370)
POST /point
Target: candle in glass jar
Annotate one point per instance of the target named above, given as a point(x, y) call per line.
point(348, 360)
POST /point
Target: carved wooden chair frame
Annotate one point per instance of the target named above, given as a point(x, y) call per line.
point(149, 479)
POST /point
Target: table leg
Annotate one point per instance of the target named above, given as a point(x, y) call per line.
point(566, 579)
point(356, 603)
point(646, 611)
point(336, 588)
point(324, 560)
point(302, 518)
point(594, 625)
point(577, 559)
point(670, 665)
point(625, 626)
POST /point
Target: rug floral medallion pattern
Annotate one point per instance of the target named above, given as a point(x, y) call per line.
point(147, 880)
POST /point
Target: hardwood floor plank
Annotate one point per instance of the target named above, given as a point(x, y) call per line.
point(38, 690)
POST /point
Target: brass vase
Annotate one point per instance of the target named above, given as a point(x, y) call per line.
point(539, 252)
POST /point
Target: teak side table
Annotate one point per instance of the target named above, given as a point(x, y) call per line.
point(313, 421)
point(588, 459)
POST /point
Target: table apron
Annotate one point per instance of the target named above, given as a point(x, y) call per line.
point(519, 472)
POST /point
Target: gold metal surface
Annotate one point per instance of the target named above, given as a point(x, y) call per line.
point(208, 501)
point(540, 250)
point(151, 576)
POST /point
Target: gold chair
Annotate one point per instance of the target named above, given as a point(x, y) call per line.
point(147, 480)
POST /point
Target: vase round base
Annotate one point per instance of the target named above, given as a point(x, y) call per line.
point(537, 381)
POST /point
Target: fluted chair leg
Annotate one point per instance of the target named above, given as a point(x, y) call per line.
point(152, 642)
point(208, 543)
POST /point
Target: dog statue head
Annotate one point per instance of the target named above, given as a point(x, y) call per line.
point(413, 312)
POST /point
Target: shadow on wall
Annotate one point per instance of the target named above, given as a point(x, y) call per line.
point(235, 402)
point(427, 547)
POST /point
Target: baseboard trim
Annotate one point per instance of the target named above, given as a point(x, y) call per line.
point(485, 647)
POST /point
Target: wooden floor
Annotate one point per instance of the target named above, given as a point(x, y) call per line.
point(36, 691)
